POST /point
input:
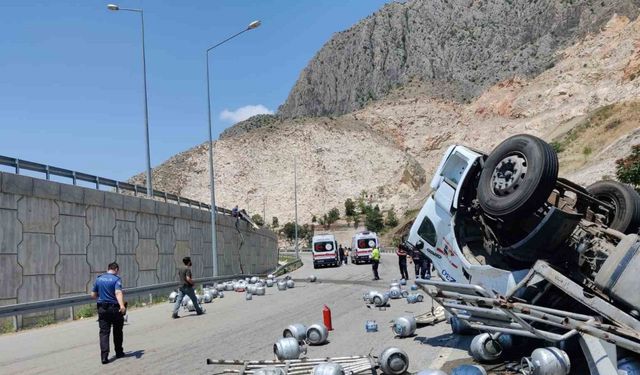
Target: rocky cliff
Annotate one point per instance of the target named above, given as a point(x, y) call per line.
point(587, 103)
point(458, 48)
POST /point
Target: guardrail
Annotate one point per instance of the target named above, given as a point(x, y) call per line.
point(291, 266)
point(83, 299)
point(97, 181)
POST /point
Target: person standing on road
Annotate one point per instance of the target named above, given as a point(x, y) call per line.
point(417, 262)
point(341, 253)
point(186, 289)
point(346, 255)
point(111, 310)
point(375, 262)
point(402, 262)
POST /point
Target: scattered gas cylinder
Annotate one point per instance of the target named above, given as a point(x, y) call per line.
point(199, 298)
point(547, 361)
point(412, 298)
point(269, 283)
point(317, 334)
point(403, 282)
point(395, 292)
point(413, 287)
point(378, 299)
point(485, 348)
point(253, 280)
point(431, 372)
point(404, 326)
point(393, 361)
point(185, 299)
point(312, 278)
point(190, 306)
point(270, 276)
point(228, 287)
point(172, 296)
point(468, 370)
point(251, 288)
point(282, 285)
point(371, 326)
point(290, 283)
point(328, 368)
point(288, 348)
point(260, 291)
point(259, 283)
point(394, 283)
point(269, 371)
point(207, 297)
point(221, 294)
point(297, 331)
point(248, 296)
point(404, 294)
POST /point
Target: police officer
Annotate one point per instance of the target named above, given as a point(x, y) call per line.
point(402, 261)
point(111, 310)
point(375, 262)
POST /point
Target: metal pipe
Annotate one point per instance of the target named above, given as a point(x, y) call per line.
point(295, 198)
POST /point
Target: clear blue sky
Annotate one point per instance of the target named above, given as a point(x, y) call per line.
point(71, 92)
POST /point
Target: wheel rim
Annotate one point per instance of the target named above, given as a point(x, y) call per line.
point(613, 202)
point(508, 174)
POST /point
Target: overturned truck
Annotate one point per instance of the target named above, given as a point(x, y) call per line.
point(526, 253)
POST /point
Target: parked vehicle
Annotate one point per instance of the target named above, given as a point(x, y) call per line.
point(324, 248)
point(497, 220)
point(362, 245)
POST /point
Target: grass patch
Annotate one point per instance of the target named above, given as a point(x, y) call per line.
point(85, 311)
point(411, 213)
point(6, 325)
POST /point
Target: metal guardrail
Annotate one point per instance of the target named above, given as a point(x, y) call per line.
point(293, 265)
point(83, 299)
point(119, 186)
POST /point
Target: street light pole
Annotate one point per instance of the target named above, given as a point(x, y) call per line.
point(214, 240)
point(114, 7)
point(295, 198)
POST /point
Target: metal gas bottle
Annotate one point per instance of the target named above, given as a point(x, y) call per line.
point(547, 361)
point(290, 283)
point(260, 291)
point(298, 331)
point(287, 348)
point(393, 361)
point(282, 285)
point(378, 299)
point(272, 370)
point(404, 326)
point(469, 370)
point(395, 292)
point(328, 368)
point(253, 280)
point(431, 372)
point(312, 278)
point(173, 296)
point(371, 326)
point(317, 334)
point(207, 297)
point(269, 283)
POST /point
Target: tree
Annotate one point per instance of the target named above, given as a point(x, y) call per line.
point(373, 220)
point(392, 219)
point(274, 222)
point(349, 207)
point(289, 230)
point(333, 215)
point(258, 220)
point(628, 169)
point(356, 222)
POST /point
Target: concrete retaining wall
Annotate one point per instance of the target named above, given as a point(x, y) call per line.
point(55, 238)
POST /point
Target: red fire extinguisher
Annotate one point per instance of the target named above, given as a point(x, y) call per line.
point(326, 317)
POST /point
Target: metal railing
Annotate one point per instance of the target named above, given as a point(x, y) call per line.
point(83, 299)
point(97, 181)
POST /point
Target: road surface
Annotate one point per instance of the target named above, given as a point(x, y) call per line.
point(234, 328)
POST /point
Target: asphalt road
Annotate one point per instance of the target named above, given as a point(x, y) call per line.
point(234, 328)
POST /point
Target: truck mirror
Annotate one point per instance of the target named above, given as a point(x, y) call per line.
point(419, 245)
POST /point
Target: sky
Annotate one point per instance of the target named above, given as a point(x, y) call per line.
point(71, 81)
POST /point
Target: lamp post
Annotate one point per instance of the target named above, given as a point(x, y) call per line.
point(115, 7)
point(214, 250)
point(295, 198)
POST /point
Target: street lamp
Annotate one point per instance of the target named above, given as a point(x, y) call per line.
point(214, 250)
point(114, 8)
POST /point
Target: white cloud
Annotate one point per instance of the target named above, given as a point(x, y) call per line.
point(244, 113)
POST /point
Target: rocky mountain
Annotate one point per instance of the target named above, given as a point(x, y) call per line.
point(458, 48)
point(587, 103)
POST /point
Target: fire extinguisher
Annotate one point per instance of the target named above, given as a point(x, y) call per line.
point(326, 317)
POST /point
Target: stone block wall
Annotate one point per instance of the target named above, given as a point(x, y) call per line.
point(56, 238)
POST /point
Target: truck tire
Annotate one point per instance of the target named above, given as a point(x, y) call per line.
point(517, 177)
point(626, 201)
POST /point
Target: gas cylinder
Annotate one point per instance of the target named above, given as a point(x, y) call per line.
point(326, 317)
point(393, 361)
point(403, 282)
point(469, 370)
point(378, 299)
point(629, 366)
point(172, 296)
point(221, 294)
point(248, 296)
point(328, 368)
point(269, 283)
point(269, 371)
point(282, 285)
point(253, 280)
point(317, 334)
point(297, 331)
point(207, 297)
point(371, 326)
point(260, 291)
point(288, 348)
point(547, 361)
point(312, 278)
point(413, 287)
point(290, 283)
point(404, 326)
point(431, 372)
point(395, 292)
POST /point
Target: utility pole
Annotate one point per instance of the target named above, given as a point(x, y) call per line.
point(295, 198)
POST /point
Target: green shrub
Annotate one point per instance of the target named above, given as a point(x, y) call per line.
point(628, 168)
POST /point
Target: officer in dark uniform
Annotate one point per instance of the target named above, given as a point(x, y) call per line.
point(111, 310)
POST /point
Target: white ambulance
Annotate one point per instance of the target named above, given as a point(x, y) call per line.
point(362, 245)
point(324, 248)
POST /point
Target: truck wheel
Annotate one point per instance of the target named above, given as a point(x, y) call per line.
point(517, 177)
point(626, 217)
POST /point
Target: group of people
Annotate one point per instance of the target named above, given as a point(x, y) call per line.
point(344, 252)
point(421, 263)
point(107, 290)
